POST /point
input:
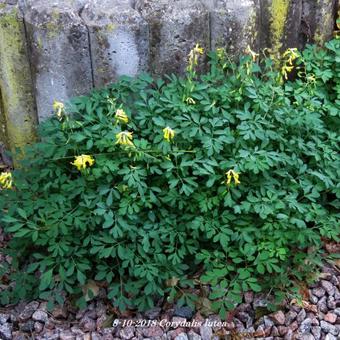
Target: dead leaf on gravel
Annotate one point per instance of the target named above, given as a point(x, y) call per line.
point(305, 304)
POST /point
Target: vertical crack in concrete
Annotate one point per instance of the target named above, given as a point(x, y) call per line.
point(336, 13)
point(80, 11)
point(261, 39)
point(90, 55)
point(257, 41)
point(3, 128)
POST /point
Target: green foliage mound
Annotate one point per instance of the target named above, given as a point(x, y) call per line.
point(154, 213)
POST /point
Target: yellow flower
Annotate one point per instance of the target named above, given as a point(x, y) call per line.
point(236, 178)
point(124, 138)
point(220, 52)
point(231, 174)
point(285, 70)
point(311, 78)
point(198, 49)
point(291, 54)
point(190, 100)
point(6, 180)
point(83, 161)
point(58, 107)
point(168, 134)
point(288, 65)
point(121, 116)
point(289, 57)
point(253, 54)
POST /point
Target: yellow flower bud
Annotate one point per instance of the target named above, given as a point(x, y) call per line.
point(121, 116)
point(190, 100)
point(168, 134)
point(220, 52)
point(6, 180)
point(198, 49)
point(253, 54)
point(58, 107)
point(231, 174)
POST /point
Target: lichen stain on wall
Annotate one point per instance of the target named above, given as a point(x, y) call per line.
point(279, 13)
point(15, 80)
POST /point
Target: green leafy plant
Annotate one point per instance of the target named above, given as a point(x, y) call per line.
point(152, 186)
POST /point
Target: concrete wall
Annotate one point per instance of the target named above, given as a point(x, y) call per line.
point(55, 49)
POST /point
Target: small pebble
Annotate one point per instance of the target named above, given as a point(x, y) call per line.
point(301, 316)
point(330, 317)
point(278, 318)
point(316, 331)
point(127, 333)
point(153, 313)
point(40, 316)
point(328, 287)
point(181, 336)
point(206, 332)
point(305, 326)
point(38, 327)
point(319, 292)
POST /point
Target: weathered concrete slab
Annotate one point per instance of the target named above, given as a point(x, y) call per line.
point(18, 104)
point(318, 19)
point(64, 47)
point(280, 24)
point(234, 24)
point(60, 56)
point(119, 39)
point(176, 26)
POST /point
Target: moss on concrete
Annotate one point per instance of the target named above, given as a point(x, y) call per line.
point(52, 26)
point(279, 13)
point(15, 81)
point(110, 27)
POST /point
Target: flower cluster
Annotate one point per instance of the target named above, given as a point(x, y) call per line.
point(6, 180)
point(193, 57)
point(231, 174)
point(168, 134)
point(289, 56)
point(124, 138)
point(83, 161)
